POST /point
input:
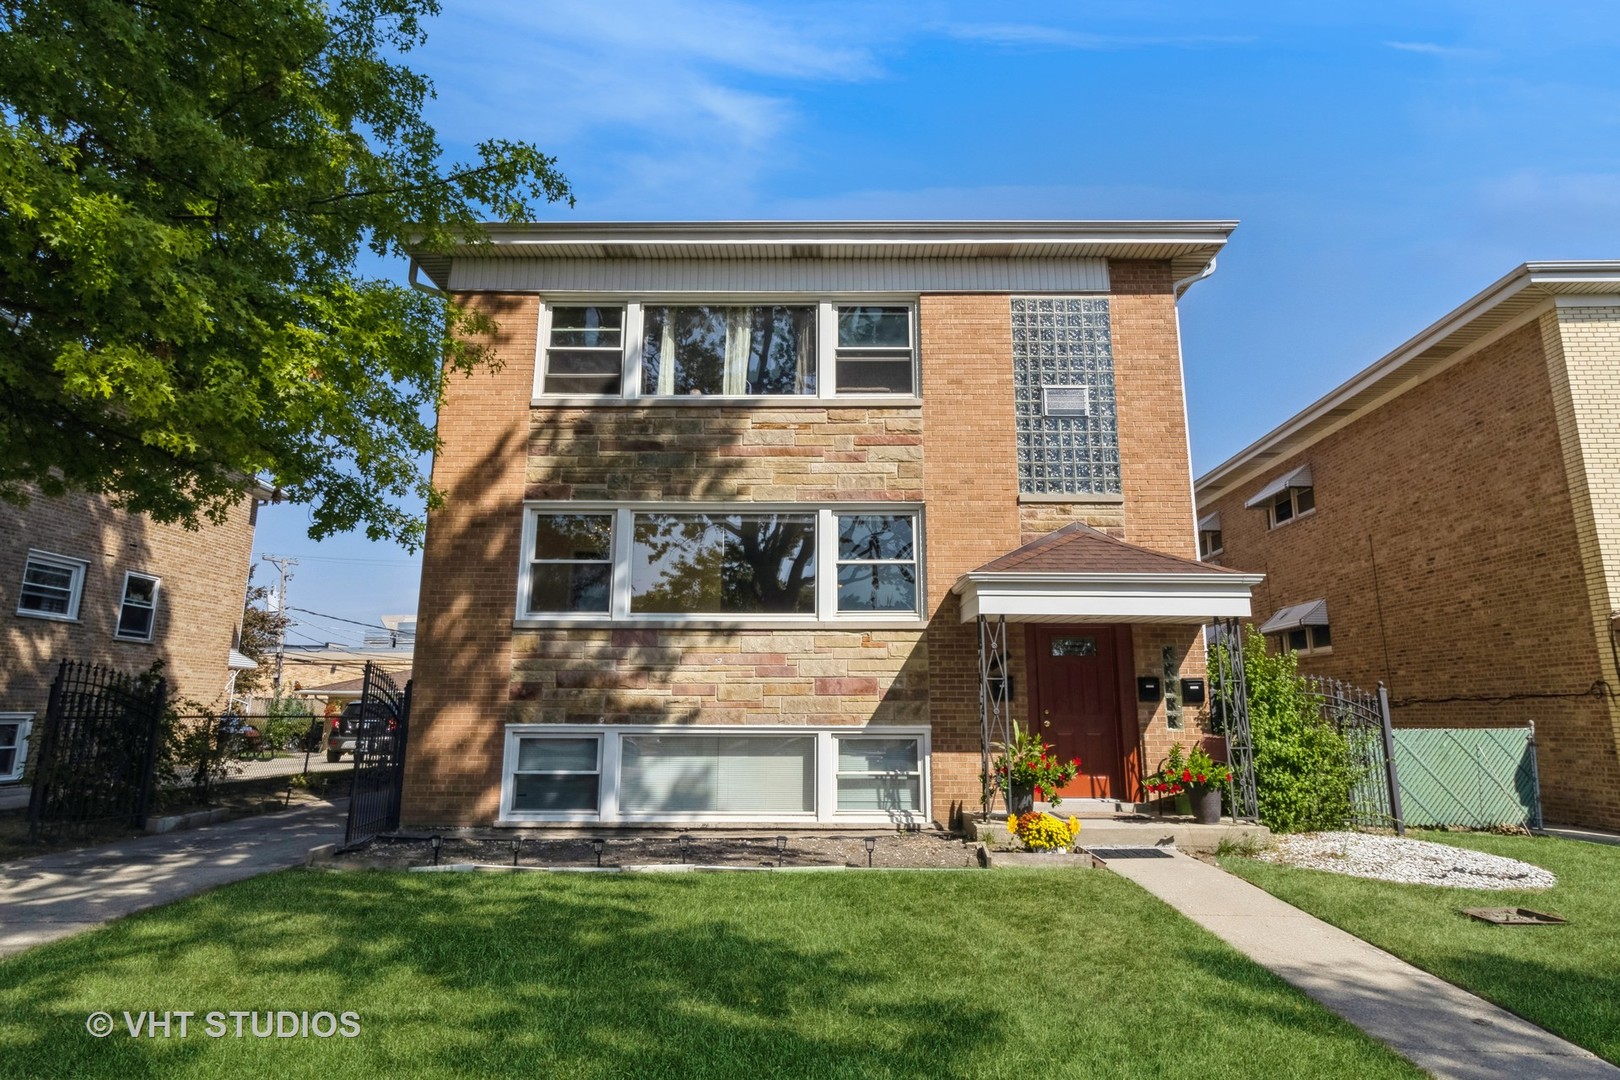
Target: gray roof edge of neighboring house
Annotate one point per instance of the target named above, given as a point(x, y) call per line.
point(1518, 294)
point(1188, 244)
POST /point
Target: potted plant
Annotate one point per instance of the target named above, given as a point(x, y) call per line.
point(1043, 832)
point(1196, 773)
point(1027, 765)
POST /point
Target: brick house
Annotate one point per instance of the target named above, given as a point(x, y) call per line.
point(1448, 522)
point(83, 580)
point(726, 527)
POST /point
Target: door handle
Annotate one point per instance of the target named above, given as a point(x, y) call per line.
point(1046, 712)
point(1046, 723)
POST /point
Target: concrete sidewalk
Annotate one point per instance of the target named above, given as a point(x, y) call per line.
point(52, 896)
point(1446, 1031)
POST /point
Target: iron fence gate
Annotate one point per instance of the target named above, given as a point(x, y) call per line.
point(98, 749)
point(1362, 717)
point(381, 730)
point(1231, 715)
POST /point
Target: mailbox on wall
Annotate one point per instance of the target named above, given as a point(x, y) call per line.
point(1147, 688)
point(1192, 691)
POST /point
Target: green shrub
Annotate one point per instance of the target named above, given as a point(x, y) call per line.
point(1302, 767)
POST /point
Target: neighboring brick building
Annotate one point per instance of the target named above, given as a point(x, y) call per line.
point(706, 545)
point(83, 580)
point(1450, 525)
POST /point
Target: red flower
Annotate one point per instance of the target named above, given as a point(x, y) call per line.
point(1201, 778)
point(1186, 774)
point(1075, 762)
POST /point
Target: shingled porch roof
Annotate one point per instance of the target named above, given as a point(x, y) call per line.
point(1078, 574)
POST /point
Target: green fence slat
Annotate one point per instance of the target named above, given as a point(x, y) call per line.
point(1472, 777)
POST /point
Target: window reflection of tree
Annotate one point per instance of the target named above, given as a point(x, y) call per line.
point(774, 347)
point(726, 563)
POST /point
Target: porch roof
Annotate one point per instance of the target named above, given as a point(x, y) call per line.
point(1079, 574)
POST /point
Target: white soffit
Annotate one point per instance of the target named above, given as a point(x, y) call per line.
point(1312, 613)
point(1129, 598)
point(1298, 478)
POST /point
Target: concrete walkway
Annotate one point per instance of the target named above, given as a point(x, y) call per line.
point(52, 896)
point(1445, 1031)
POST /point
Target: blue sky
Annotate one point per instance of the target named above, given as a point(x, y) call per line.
point(1387, 160)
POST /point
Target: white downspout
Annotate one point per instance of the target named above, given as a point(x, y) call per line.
point(1176, 291)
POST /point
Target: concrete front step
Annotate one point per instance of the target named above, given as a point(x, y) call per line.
point(1135, 831)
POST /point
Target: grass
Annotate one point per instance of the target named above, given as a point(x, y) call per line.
point(896, 974)
point(1565, 978)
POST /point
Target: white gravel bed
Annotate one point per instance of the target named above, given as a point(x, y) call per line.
point(1411, 862)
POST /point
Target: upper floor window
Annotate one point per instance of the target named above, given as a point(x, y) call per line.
point(138, 612)
point(585, 350)
point(673, 563)
point(51, 587)
point(1209, 536)
point(1301, 628)
point(1287, 497)
point(645, 350)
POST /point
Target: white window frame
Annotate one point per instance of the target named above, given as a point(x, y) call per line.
point(1293, 502)
point(872, 734)
point(531, 517)
point(826, 349)
point(509, 773)
point(1211, 551)
point(610, 757)
point(619, 611)
point(25, 724)
point(123, 602)
point(77, 567)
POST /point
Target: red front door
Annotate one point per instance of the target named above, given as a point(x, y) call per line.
point(1076, 704)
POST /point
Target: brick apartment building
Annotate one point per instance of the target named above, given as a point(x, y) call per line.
point(83, 580)
point(721, 529)
point(1448, 522)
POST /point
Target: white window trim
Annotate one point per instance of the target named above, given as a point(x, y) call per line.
point(620, 615)
point(1212, 552)
point(25, 724)
point(826, 350)
point(1293, 499)
point(78, 567)
point(826, 774)
point(1311, 649)
point(123, 601)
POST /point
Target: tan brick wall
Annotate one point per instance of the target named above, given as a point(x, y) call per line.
point(475, 673)
point(463, 662)
point(1444, 544)
point(204, 579)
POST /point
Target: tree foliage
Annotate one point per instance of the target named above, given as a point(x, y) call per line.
point(186, 190)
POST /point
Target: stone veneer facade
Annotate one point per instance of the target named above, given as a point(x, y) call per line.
point(954, 453)
point(1466, 538)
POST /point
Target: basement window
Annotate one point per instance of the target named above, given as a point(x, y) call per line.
point(13, 744)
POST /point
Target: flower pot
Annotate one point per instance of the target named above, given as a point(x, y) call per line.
point(1021, 799)
point(1206, 804)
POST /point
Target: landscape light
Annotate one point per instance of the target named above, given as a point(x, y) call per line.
point(596, 845)
point(437, 840)
point(781, 848)
point(871, 845)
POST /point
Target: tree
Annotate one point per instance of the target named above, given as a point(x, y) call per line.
point(261, 633)
point(186, 190)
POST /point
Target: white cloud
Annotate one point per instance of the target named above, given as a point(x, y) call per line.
point(1026, 34)
point(1429, 48)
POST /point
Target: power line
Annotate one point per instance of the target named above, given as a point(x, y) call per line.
point(339, 618)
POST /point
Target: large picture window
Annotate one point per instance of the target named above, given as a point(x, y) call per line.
point(670, 563)
point(724, 564)
point(676, 352)
point(652, 772)
point(728, 350)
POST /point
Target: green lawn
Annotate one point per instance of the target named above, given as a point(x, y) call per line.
point(1565, 978)
point(898, 974)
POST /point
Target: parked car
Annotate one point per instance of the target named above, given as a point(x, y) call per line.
point(373, 733)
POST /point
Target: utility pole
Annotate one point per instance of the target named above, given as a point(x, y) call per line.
point(281, 563)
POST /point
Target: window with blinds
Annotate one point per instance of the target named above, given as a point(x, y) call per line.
point(717, 774)
point(878, 774)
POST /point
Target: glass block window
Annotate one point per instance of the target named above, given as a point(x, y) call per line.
point(1062, 344)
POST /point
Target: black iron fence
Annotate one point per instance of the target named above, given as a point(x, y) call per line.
point(96, 750)
point(375, 730)
point(1362, 717)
